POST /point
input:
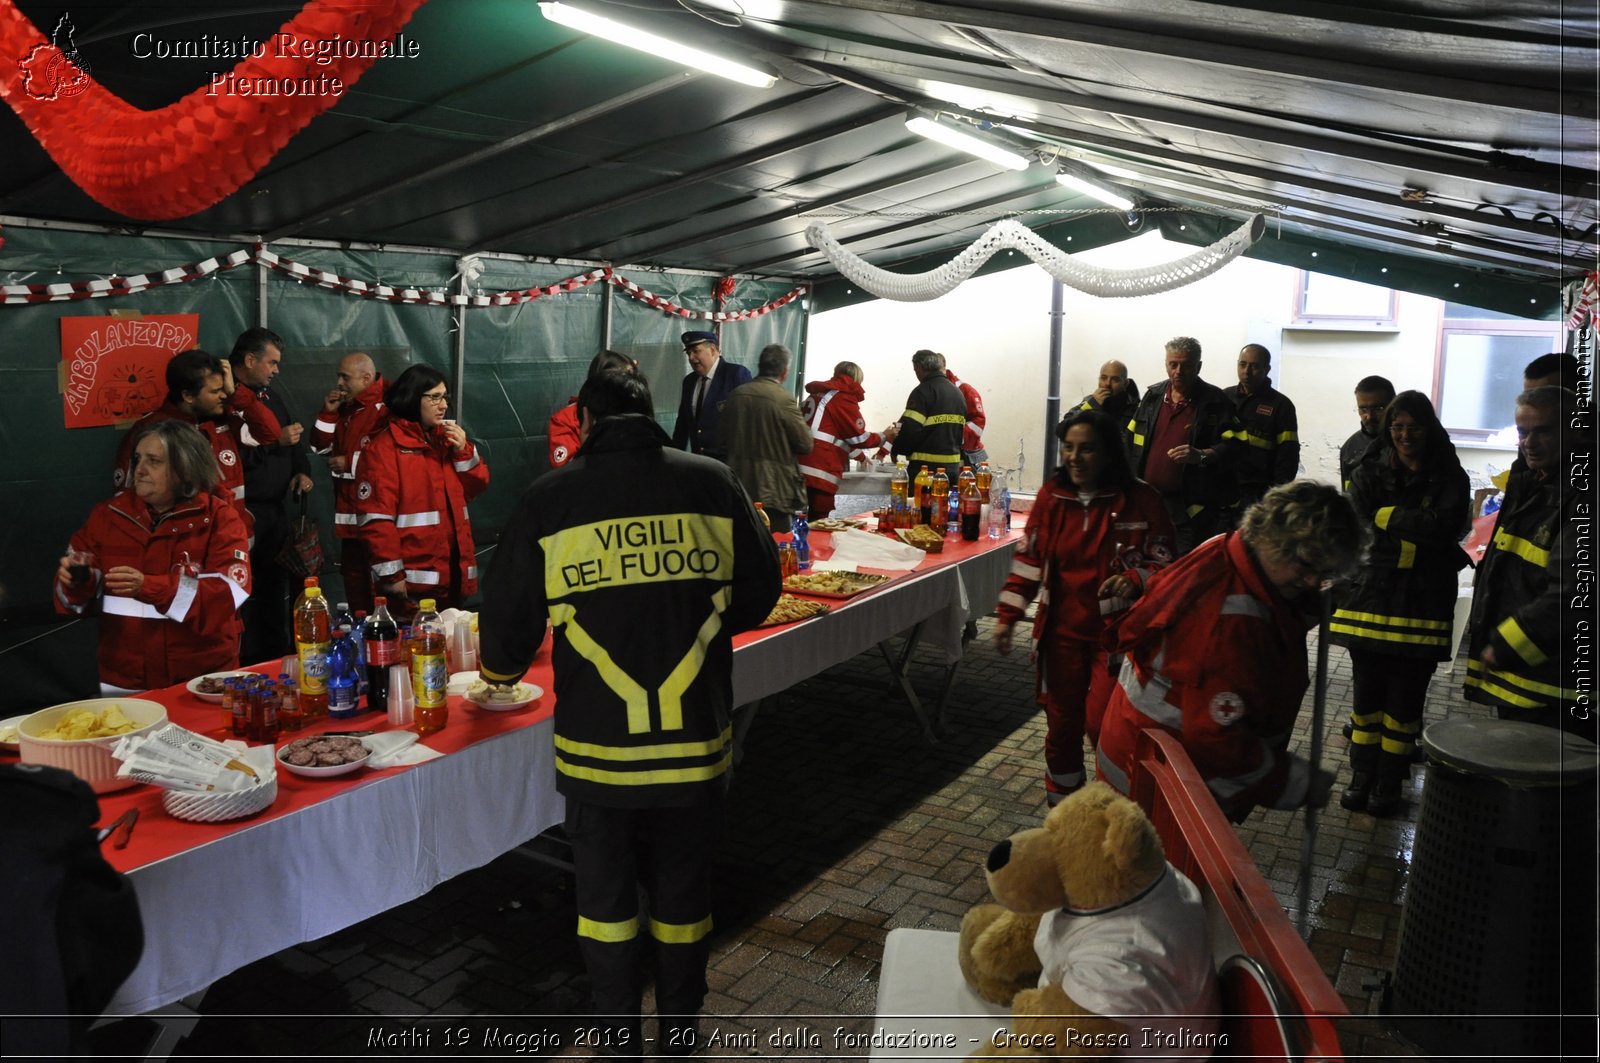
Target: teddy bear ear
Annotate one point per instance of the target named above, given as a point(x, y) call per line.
point(1130, 839)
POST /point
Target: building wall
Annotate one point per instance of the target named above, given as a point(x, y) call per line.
point(994, 331)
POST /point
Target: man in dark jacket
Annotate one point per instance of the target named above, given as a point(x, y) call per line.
point(765, 435)
point(711, 380)
point(1527, 602)
point(1271, 454)
point(1115, 395)
point(273, 468)
point(935, 418)
point(1373, 395)
point(646, 562)
point(1186, 442)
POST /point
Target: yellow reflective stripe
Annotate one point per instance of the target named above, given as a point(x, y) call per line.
point(936, 459)
point(660, 751)
point(1392, 724)
point(1365, 737)
point(1288, 437)
point(496, 677)
point(621, 683)
point(658, 776)
point(1518, 640)
point(913, 415)
point(679, 933)
point(1495, 689)
point(631, 551)
point(1390, 636)
point(1530, 685)
point(1347, 486)
point(948, 418)
point(1381, 518)
point(1408, 554)
point(610, 933)
point(1259, 442)
point(1392, 621)
point(1396, 745)
point(1369, 719)
point(671, 691)
point(1511, 544)
point(1192, 510)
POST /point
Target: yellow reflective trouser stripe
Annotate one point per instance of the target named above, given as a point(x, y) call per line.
point(1392, 621)
point(1476, 666)
point(1381, 518)
point(1408, 554)
point(610, 673)
point(1392, 724)
point(660, 751)
point(1366, 719)
point(1512, 544)
point(1518, 640)
point(1366, 736)
point(609, 933)
point(913, 415)
point(660, 776)
point(936, 459)
point(1396, 745)
point(678, 680)
point(680, 933)
point(1390, 636)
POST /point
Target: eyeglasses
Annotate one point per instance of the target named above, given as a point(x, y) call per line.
point(437, 400)
point(1370, 409)
point(1405, 429)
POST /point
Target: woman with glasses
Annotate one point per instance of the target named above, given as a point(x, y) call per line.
point(1214, 653)
point(1394, 617)
point(417, 475)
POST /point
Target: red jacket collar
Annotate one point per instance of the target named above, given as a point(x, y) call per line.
point(844, 385)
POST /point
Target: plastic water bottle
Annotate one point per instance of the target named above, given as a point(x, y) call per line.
point(343, 701)
point(999, 514)
point(358, 635)
point(802, 541)
point(342, 620)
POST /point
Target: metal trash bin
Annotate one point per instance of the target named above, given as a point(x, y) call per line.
point(1498, 928)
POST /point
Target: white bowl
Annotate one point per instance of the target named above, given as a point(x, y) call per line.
point(89, 759)
point(218, 807)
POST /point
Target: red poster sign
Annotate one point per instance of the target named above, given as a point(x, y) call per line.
point(114, 368)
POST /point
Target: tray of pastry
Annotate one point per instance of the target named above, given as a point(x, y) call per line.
point(833, 584)
point(790, 609)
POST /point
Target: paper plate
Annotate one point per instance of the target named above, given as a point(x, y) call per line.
point(526, 693)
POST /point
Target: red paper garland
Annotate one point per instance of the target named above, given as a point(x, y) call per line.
point(183, 158)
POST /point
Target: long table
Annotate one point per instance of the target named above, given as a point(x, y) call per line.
point(332, 852)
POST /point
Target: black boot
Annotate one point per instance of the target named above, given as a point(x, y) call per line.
point(1385, 800)
point(1355, 796)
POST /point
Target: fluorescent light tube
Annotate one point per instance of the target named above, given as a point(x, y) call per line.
point(967, 142)
point(659, 47)
point(1094, 190)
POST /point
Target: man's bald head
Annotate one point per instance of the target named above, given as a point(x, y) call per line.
point(356, 373)
point(1113, 379)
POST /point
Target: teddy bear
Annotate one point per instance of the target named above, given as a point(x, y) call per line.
point(1098, 944)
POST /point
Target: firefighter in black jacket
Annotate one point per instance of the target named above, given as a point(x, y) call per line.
point(646, 561)
point(1185, 442)
point(1396, 617)
point(935, 417)
point(1527, 604)
point(1269, 428)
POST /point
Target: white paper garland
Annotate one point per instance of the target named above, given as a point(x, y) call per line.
point(1108, 283)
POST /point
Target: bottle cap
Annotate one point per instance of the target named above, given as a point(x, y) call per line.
point(380, 600)
point(427, 605)
point(311, 581)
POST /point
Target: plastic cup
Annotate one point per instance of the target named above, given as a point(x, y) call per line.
point(402, 699)
point(291, 668)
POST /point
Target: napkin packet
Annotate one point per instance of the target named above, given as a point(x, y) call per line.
point(175, 758)
point(854, 549)
point(394, 749)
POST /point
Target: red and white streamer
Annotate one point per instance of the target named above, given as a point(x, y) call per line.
point(68, 291)
point(1583, 303)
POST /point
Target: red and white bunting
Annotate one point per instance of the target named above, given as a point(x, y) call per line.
point(22, 294)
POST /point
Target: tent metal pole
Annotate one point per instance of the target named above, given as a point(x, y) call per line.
point(1052, 401)
point(607, 313)
point(261, 295)
point(459, 316)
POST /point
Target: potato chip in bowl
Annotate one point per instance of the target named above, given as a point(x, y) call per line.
point(78, 736)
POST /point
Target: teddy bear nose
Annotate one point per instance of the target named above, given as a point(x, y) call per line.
point(999, 856)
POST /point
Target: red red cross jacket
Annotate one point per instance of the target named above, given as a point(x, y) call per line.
point(184, 621)
point(563, 434)
point(1070, 548)
point(344, 435)
point(832, 410)
point(244, 411)
point(972, 435)
point(412, 504)
point(1215, 656)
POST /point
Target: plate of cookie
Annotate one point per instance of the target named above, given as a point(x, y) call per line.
point(322, 756)
point(833, 584)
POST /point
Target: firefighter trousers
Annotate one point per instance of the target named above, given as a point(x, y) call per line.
point(1386, 717)
point(668, 852)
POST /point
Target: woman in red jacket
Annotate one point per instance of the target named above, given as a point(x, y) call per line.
point(169, 559)
point(561, 436)
point(1095, 534)
point(832, 410)
point(417, 476)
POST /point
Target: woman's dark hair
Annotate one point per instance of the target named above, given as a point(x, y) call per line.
point(1117, 472)
point(1436, 446)
point(404, 396)
point(608, 360)
point(615, 392)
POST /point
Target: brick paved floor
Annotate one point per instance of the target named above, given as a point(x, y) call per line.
point(843, 825)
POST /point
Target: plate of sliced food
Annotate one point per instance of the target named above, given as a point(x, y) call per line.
point(321, 756)
point(483, 695)
point(790, 609)
point(833, 584)
point(833, 524)
point(209, 687)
